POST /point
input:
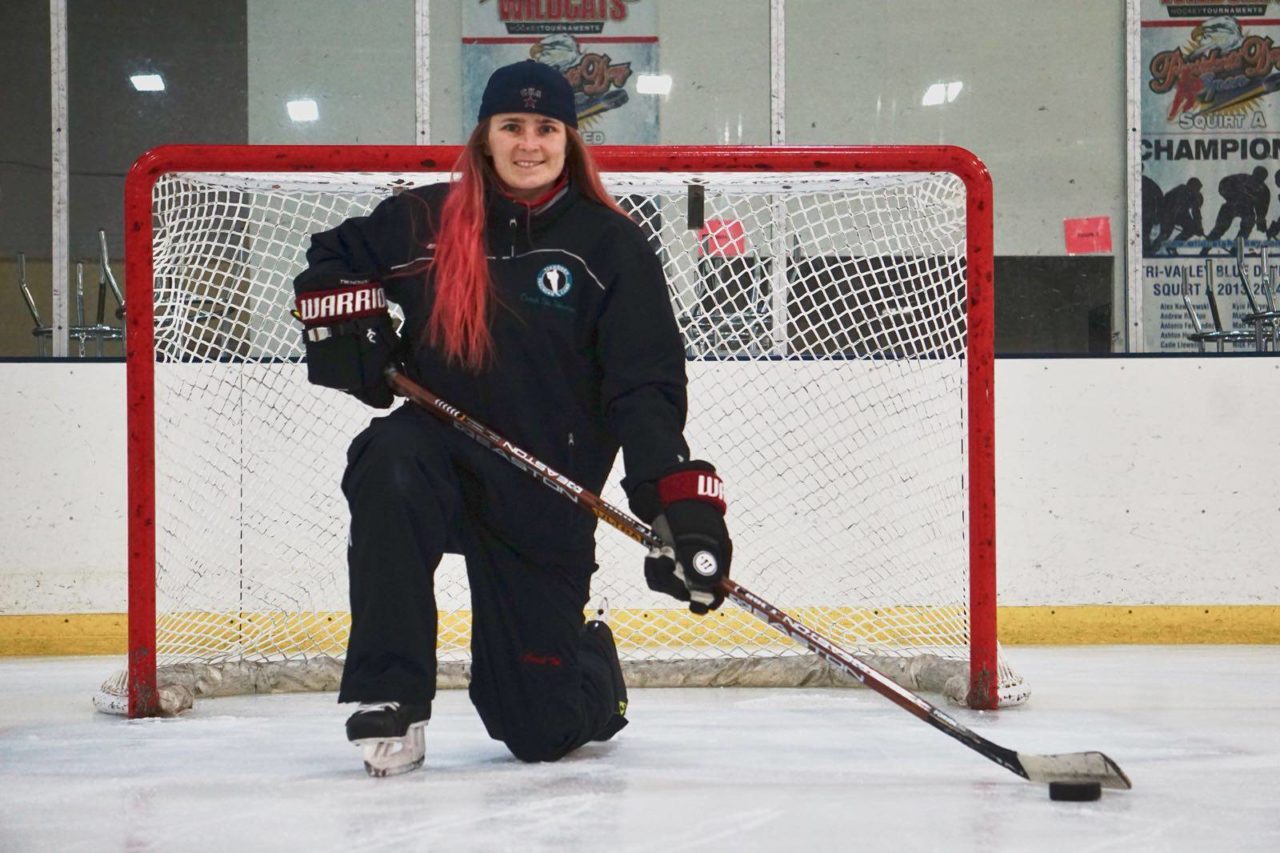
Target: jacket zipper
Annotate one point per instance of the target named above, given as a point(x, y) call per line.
point(513, 224)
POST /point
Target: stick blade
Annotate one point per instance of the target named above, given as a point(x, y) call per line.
point(1075, 768)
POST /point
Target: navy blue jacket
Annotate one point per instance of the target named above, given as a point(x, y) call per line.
point(588, 357)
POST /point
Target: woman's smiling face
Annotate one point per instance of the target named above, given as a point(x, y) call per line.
point(528, 152)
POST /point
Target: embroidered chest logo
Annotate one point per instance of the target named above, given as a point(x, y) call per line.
point(555, 280)
point(531, 96)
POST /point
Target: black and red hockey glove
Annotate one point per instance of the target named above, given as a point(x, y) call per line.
point(686, 507)
point(347, 333)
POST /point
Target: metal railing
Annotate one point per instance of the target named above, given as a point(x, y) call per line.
point(98, 332)
point(1261, 332)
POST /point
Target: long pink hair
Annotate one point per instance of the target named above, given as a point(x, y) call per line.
point(459, 323)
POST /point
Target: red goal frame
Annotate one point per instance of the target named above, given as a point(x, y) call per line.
point(139, 322)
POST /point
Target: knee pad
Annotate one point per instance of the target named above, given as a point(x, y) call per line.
point(540, 743)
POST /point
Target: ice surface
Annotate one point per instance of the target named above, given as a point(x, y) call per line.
point(1196, 728)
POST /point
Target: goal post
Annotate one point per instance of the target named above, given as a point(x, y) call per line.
point(836, 306)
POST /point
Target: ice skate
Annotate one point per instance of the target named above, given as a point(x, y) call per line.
point(390, 735)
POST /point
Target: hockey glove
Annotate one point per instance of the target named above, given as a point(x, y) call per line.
point(348, 334)
point(686, 508)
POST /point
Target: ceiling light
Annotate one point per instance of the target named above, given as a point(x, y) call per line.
point(653, 84)
point(303, 109)
point(147, 82)
point(941, 93)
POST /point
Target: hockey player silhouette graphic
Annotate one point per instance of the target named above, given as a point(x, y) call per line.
point(1152, 196)
point(1246, 197)
point(1179, 209)
point(1274, 228)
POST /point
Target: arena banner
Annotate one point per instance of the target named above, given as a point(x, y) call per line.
point(601, 47)
point(1210, 161)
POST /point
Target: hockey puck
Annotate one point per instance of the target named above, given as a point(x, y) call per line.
point(1075, 792)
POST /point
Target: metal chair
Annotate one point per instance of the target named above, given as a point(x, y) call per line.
point(40, 331)
point(81, 331)
point(99, 331)
point(1217, 335)
point(1264, 321)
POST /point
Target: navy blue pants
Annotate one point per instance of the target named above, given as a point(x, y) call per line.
point(417, 490)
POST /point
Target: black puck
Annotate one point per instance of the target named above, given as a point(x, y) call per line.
point(1075, 792)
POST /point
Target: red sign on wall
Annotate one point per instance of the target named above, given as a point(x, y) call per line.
point(722, 238)
point(1090, 235)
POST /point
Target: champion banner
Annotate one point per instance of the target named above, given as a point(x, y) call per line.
point(1210, 151)
point(601, 47)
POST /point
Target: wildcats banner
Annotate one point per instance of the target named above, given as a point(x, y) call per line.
point(601, 47)
point(1210, 151)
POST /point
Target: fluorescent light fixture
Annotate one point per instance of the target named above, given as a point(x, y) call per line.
point(303, 109)
point(941, 93)
point(147, 82)
point(653, 84)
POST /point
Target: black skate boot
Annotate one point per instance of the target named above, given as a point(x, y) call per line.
point(597, 637)
point(391, 736)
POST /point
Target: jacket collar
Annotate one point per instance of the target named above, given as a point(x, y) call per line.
point(552, 193)
point(502, 208)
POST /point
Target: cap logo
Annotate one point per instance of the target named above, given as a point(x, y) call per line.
point(531, 95)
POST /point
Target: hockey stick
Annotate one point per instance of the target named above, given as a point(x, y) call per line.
point(1071, 768)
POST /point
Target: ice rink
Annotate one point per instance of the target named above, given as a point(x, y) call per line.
point(1196, 728)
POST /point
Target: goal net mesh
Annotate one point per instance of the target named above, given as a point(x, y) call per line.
point(824, 321)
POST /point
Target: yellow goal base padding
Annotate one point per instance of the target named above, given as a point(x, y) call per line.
point(104, 633)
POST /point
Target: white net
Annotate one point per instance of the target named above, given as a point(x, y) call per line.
point(824, 321)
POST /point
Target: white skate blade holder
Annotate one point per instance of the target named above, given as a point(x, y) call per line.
point(391, 756)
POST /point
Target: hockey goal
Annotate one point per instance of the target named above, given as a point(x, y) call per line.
point(836, 305)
